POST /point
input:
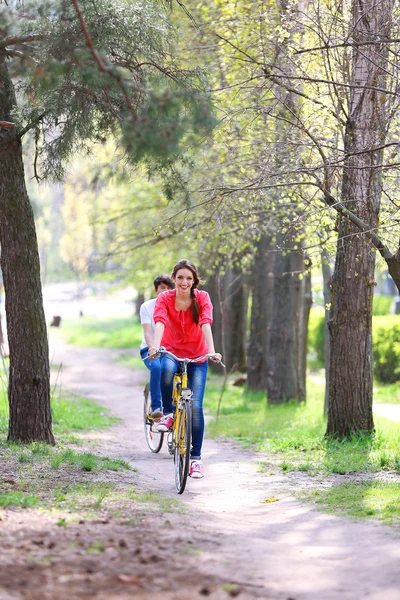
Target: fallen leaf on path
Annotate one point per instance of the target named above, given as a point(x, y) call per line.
point(268, 500)
point(132, 579)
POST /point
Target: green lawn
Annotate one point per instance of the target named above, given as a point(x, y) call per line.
point(103, 333)
point(70, 414)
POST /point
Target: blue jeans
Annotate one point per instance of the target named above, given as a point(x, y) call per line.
point(197, 376)
point(154, 367)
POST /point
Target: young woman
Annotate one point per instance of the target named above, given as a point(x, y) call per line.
point(183, 319)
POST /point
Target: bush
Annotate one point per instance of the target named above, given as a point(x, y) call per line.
point(382, 304)
point(386, 341)
point(316, 338)
point(386, 344)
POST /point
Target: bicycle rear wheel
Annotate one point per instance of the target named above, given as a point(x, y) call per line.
point(182, 446)
point(154, 438)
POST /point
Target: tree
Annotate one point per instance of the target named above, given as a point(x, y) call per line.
point(351, 377)
point(83, 75)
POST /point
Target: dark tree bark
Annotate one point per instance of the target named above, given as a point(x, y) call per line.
point(29, 383)
point(261, 310)
point(286, 367)
point(236, 302)
point(213, 287)
point(350, 385)
point(138, 303)
point(230, 300)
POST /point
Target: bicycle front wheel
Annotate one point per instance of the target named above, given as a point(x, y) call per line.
point(182, 446)
point(154, 438)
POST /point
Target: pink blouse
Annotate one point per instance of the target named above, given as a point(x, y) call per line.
point(181, 335)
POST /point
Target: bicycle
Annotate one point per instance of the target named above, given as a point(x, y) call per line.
point(179, 437)
point(154, 438)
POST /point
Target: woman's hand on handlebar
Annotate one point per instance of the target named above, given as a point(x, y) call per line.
point(217, 357)
point(153, 352)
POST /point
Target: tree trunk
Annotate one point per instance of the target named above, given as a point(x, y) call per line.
point(261, 309)
point(350, 387)
point(236, 302)
point(230, 299)
point(213, 287)
point(286, 369)
point(29, 382)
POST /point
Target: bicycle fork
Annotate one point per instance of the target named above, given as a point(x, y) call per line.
point(181, 395)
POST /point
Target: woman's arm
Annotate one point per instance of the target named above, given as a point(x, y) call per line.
point(208, 336)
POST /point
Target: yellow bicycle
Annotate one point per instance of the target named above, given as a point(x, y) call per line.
point(179, 437)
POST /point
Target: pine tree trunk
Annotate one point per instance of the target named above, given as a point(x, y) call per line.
point(29, 383)
point(350, 389)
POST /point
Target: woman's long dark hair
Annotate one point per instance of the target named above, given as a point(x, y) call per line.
point(186, 264)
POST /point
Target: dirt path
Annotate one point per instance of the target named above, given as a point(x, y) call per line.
point(280, 550)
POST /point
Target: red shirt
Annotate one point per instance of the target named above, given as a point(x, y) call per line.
point(181, 335)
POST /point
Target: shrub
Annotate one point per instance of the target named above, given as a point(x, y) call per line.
point(316, 338)
point(382, 304)
point(386, 340)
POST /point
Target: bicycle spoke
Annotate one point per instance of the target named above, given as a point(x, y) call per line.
point(154, 438)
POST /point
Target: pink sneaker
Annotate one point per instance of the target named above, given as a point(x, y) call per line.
point(196, 469)
point(165, 423)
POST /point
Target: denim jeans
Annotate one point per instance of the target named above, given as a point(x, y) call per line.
point(154, 367)
point(197, 375)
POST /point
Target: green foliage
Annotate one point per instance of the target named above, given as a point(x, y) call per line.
point(74, 97)
point(3, 410)
point(163, 122)
point(386, 343)
point(387, 393)
point(316, 338)
point(386, 337)
point(382, 305)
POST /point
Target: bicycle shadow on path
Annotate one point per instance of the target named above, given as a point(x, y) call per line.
point(281, 550)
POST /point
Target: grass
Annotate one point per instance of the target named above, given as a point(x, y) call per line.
point(365, 499)
point(66, 457)
point(114, 333)
point(71, 413)
point(295, 433)
point(388, 393)
point(103, 333)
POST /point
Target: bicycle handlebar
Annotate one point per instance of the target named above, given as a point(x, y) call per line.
point(163, 350)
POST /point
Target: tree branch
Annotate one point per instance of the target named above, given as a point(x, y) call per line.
point(20, 39)
point(7, 125)
point(98, 60)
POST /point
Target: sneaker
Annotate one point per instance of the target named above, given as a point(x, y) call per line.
point(165, 423)
point(156, 413)
point(196, 469)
